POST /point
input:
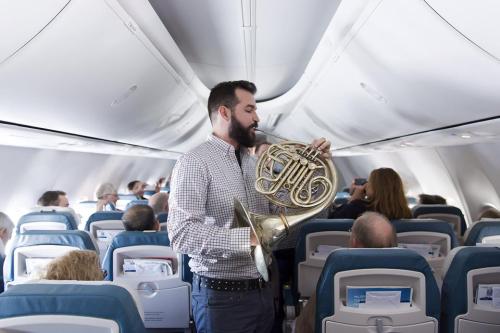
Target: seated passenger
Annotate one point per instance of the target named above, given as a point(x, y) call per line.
point(136, 187)
point(140, 218)
point(107, 196)
point(370, 230)
point(80, 265)
point(53, 199)
point(489, 212)
point(382, 193)
point(430, 199)
point(159, 202)
point(6, 227)
point(56, 201)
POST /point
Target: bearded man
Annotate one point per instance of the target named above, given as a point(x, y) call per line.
point(229, 294)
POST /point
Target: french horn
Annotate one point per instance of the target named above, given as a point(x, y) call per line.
point(299, 181)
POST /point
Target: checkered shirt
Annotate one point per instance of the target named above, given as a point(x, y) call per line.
point(201, 223)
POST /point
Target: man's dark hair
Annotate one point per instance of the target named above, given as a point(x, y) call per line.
point(139, 218)
point(131, 185)
point(367, 231)
point(429, 199)
point(224, 94)
point(50, 198)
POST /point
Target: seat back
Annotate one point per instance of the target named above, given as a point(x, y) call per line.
point(450, 214)
point(124, 199)
point(162, 217)
point(30, 252)
point(362, 268)
point(315, 241)
point(430, 232)
point(46, 220)
point(103, 216)
point(144, 261)
point(76, 308)
point(484, 232)
point(102, 227)
point(465, 269)
point(136, 202)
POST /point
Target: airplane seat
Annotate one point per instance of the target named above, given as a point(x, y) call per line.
point(31, 251)
point(145, 262)
point(484, 231)
point(356, 269)
point(46, 220)
point(450, 214)
point(162, 217)
point(149, 193)
point(316, 240)
point(136, 202)
point(467, 268)
point(425, 235)
point(77, 307)
point(124, 199)
point(102, 227)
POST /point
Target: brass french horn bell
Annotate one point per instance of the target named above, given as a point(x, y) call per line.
point(299, 182)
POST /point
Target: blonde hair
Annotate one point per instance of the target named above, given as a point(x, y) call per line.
point(80, 265)
point(388, 194)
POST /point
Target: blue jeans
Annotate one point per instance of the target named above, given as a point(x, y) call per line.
point(217, 311)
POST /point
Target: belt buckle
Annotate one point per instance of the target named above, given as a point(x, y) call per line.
point(261, 283)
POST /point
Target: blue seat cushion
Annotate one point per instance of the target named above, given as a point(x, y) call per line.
point(481, 230)
point(136, 202)
point(440, 209)
point(132, 238)
point(75, 238)
point(58, 217)
point(431, 225)
point(162, 217)
point(454, 290)
point(352, 259)
point(102, 216)
point(100, 301)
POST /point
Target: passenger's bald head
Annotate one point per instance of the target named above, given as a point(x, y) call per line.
point(373, 230)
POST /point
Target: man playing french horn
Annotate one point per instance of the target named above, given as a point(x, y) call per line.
point(229, 294)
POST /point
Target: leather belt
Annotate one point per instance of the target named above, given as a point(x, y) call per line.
point(229, 285)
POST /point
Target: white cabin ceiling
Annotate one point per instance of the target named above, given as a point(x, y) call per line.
point(402, 70)
point(267, 42)
point(356, 71)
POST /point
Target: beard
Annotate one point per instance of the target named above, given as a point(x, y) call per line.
point(243, 135)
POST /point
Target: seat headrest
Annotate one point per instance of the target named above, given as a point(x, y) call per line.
point(136, 202)
point(66, 218)
point(103, 216)
point(454, 290)
point(480, 230)
point(75, 238)
point(100, 301)
point(309, 227)
point(440, 209)
point(162, 217)
point(431, 225)
point(132, 238)
point(391, 258)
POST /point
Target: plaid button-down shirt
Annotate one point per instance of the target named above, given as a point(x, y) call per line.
point(201, 223)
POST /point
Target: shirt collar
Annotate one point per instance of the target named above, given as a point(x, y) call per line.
point(221, 144)
point(225, 146)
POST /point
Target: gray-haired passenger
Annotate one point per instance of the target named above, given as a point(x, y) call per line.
point(107, 196)
point(159, 202)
